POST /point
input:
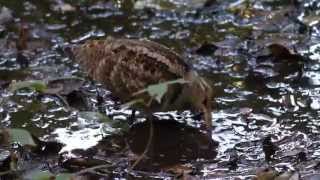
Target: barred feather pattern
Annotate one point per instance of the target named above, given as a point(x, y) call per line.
point(125, 66)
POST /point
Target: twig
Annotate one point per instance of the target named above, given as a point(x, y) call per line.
point(151, 133)
point(64, 101)
point(91, 169)
point(5, 172)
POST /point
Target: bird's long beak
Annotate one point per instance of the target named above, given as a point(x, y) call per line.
point(207, 120)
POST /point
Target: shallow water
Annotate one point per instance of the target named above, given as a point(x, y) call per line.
point(254, 98)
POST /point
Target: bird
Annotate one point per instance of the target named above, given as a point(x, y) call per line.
point(125, 66)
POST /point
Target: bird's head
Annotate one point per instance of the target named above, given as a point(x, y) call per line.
point(201, 98)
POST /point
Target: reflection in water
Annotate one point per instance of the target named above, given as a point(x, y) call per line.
point(77, 139)
point(172, 143)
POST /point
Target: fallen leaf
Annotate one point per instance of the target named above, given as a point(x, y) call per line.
point(64, 85)
point(46, 175)
point(21, 136)
point(311, 19)
point(36, 85)
point(5, 15)
point(110, 126)
point(266, 174)
point(64, 7)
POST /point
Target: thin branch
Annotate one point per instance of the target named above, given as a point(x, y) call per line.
point(151, 133)
point(92, 169)
point(5, 172)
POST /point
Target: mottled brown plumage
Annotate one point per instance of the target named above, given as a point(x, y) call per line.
point(126, 66)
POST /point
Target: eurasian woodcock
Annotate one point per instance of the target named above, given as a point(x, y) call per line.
point(126, 66)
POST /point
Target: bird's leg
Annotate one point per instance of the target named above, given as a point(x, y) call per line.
point(208, 122)
point(132, 116)
point(197, 116)
point(100, 101)
point(206, 125)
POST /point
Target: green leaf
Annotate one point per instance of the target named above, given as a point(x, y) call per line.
point(36, 85)
point(42, 175)
point(64, 176)
point(93, 116)
point(157, 91)
point(46, 175)
point(21, 136)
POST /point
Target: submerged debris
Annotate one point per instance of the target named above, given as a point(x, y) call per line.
point(171, 143)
